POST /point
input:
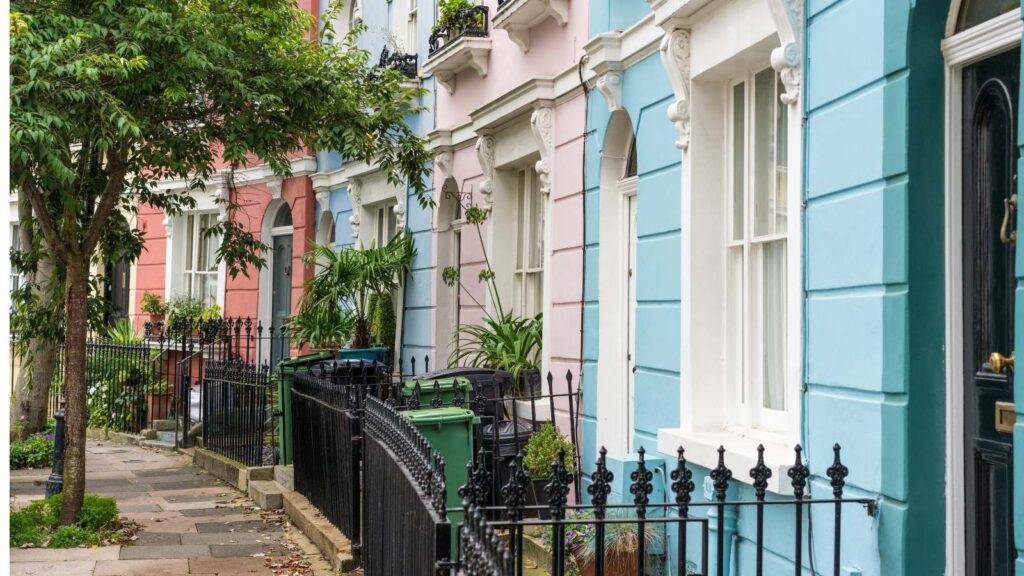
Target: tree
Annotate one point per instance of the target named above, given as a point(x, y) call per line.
point(108, 97)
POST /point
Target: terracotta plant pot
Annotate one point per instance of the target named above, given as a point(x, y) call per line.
point(615, 564)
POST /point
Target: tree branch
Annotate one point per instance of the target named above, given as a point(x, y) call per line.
point(35, 198)
point(115, 185)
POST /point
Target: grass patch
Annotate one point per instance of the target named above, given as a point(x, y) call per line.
point(34, 452)
point(98, 524)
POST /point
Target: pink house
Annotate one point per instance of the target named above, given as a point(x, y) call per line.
point(509, 136)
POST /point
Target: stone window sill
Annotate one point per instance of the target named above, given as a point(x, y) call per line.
point(740, 452)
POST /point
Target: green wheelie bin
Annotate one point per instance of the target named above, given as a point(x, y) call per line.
point(446, 386)
point(286, 370)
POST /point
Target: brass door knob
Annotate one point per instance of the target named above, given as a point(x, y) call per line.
point(998, 363)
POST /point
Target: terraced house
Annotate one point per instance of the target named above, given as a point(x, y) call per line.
point(746, 225)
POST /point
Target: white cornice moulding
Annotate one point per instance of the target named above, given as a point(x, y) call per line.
point(509, 106)
point(517, 17)
point(341, 176)
point(465, 52)
point(980, 41)
point(249, 176)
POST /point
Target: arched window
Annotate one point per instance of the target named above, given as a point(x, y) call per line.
point(974, 12)
point(283, 216)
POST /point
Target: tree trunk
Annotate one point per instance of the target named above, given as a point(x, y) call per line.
point(76, 411)
point(32, 388)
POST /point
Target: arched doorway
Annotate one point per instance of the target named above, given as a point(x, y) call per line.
point(617, 285)
point(276, 280)
point(982, 52)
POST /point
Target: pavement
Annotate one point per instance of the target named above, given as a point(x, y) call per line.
point(189, 523)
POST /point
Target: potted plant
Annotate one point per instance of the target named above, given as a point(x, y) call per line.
point(454, 17)
point(191, 313)
point(503, 339)
point(154, 306)
point(336, 304)
point(540, 455)
point(621, 547)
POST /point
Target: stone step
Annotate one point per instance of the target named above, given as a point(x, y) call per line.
point(267, 494)
point(285, 477)
point(163, 425)
point(158, 444)
point(165, 436)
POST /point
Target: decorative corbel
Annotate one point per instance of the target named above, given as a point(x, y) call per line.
point(399, 208)
point(542, 123)
point(355, 198)
point(675, 58)
point(485, 154)
point(787, 58)
point(323, 198)
point(610, 86)
point(274, 187)
point(446, 79)
point(444, 160)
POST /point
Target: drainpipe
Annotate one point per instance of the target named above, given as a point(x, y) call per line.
point(583, 244)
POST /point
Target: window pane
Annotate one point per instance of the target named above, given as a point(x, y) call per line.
point(975, 12)
point(781, 156)
point(392, 223)
point(734, 331)
point(738, 158)
point(774, 323)
point(190, 234)
point(380, 227)
point(764, 141)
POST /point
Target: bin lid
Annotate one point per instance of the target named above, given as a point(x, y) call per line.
point(428, 416)
point(428, 385)
point(506, 431)
point(294, 361)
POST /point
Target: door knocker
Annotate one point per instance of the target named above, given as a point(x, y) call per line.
point(1006, 236)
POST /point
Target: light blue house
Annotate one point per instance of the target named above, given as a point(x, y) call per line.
point(800, 228)
point(355, 202)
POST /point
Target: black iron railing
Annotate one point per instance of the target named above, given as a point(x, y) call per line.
point(237, 409)
point(578, 537)
point(326, 410)
point(129, 385)
point(404, 63)
point(405, 526)
point(472, 22)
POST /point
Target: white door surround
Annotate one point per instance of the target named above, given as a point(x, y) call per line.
point(959, 50)
point(613, 287)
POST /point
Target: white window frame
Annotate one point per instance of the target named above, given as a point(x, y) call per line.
point(192, 238)
point(529, 237)
point(385, 222)
point(744, 310)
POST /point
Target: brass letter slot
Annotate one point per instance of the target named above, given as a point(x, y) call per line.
point(1006, 417)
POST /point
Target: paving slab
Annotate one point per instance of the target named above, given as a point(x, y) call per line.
point(216, 511)
point(145, 538)
point(69, 568)
point(243, 550)
point(55, 555)
point(179, 551)
point(227, 566)
point(238, 526)
point(220, 538)
point(162, 567)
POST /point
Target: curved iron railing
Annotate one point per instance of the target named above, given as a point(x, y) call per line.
point(404, 63)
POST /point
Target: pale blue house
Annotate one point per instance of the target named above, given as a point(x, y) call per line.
point(800, 228)
point(355, 203)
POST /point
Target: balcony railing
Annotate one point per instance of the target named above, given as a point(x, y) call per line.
point(404, 63)
point(469, 22)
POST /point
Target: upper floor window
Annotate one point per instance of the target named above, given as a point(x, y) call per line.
point(528, 288)
point(200, 257)
point(756, 249)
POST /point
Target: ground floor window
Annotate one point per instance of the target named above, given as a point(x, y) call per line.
point(756, 248)
point(199, 270)
point(528, 288)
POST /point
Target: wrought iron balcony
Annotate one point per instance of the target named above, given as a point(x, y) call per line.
point(404, 63)
point(469, 22)
point(462, 41)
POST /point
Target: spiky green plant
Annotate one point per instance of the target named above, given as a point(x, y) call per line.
point(345, 281)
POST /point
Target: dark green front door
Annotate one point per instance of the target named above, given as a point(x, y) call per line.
point(281, 296)
point(990, 97)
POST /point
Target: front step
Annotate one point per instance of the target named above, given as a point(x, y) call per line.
point(285, 477)
point(159, 439)
point(164, 425)
point(267, 494)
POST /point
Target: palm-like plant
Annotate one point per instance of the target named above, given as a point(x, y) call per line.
point(505, 341)
point(336, 302)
